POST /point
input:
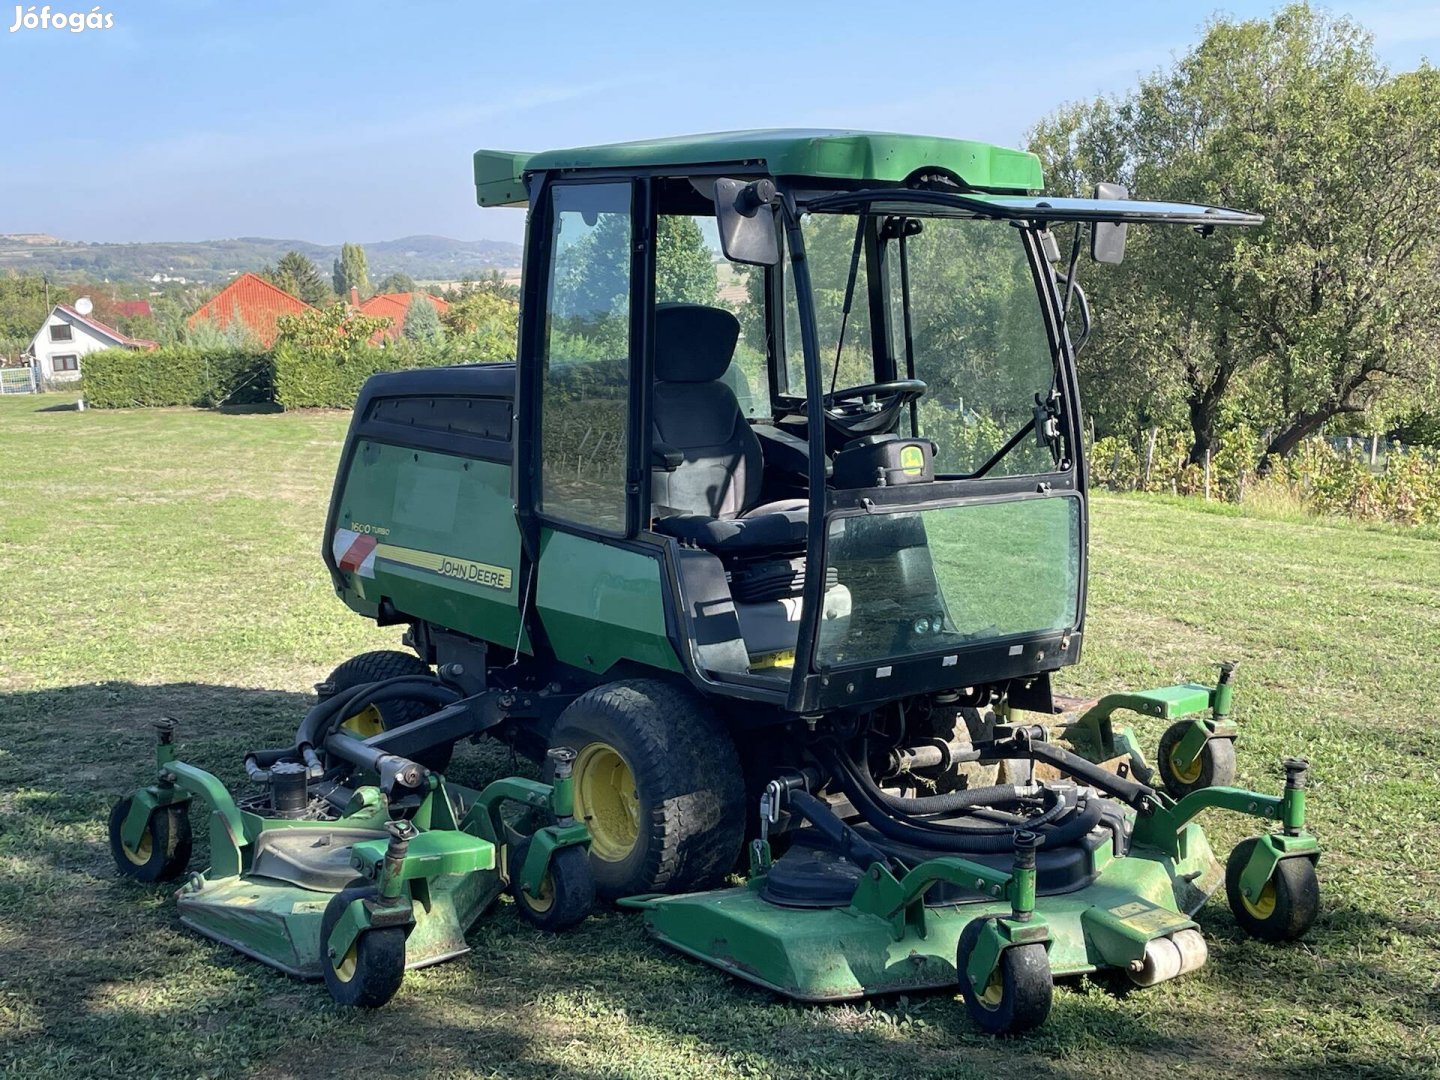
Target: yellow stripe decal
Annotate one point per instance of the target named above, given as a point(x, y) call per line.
point(476, 573)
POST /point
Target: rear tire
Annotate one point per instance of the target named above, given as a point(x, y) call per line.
point(658, 782)
point(389, 664)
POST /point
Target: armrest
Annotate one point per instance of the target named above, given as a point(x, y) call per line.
point(664, 456)
point(785, 451)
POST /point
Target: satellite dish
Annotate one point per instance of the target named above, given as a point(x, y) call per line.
point(84, 306)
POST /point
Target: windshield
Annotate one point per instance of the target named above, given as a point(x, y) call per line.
point(947, 577)
point(949, 301)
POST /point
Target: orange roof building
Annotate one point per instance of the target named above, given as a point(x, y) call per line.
point(255, 302)
point(392, 306)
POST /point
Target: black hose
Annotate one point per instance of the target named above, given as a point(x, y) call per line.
point(904, 829)
point(323, 716)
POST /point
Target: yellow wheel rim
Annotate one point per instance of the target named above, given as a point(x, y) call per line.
point(546, 900)
point(994, 990)
point(1189, 773)
point(605, 800)
point(141, 855)
point(365, 723)
point(1264, 905)
point(345, 970)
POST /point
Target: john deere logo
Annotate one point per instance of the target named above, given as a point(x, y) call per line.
point(912, 460)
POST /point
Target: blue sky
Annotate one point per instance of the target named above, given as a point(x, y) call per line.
point(356, 121)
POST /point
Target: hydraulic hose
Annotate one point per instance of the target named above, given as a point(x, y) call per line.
point(323, 717)
point(868, 800)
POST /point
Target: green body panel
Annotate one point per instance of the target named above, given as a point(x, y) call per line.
point(853, 156)
point(435, 517)
point(431, 854)
point(839, 953)
point(601, 604)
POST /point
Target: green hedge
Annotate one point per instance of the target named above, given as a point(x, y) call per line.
point(314, 379)
point(178, 375)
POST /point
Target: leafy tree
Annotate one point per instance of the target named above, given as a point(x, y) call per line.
point(1333, 305)
point(422, 322)
point(396, 283)
point(351, 272)
point(684, 265)
point(335, 329)
point(300, 277)
point(23, 305)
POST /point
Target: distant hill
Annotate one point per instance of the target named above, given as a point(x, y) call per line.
point(214, 261)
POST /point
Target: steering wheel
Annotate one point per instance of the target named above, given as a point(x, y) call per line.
point(864, 410)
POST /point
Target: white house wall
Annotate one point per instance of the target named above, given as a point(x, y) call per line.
point(83, 340)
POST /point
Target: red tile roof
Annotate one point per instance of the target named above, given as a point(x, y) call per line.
point(393, 306)
point(133, 308)
point(255, 302)
point(108, 330)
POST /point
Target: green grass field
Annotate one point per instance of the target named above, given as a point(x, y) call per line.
point(167, 563)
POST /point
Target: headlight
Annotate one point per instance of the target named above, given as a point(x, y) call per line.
point(922, 626)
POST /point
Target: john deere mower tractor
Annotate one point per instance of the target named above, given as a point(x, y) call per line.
point(786, 548)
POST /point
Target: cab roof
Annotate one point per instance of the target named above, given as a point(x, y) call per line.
point(848, 156)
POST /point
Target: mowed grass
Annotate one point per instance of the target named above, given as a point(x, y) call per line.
point(166, 563)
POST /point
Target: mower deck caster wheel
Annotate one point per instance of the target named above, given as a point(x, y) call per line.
point(1017, 997)
point(1215, 767)
point(1285, 908)
point(164, 849)
point(567, 892)
point(368, 975)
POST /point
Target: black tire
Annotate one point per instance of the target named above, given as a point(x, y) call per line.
point(165, 850)
point(567, 893)
point(1287, 907)
point(389, 664)
point(1019, 994)
point(688, 795)
point(1215, 767)
point(368, 976)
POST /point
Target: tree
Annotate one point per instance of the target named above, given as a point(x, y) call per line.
point(335, 329)
point(396, 283)
point(351, 272)
point(487, 325)
point(1330, 305)
point(684, 264)
point(300, 277)
point(422, 322)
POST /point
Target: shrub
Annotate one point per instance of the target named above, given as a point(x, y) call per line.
point(178, 375)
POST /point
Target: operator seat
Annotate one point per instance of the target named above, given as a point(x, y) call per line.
point(706, 463)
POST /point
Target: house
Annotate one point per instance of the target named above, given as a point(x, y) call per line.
point(253, 301)
point(66, 336)
point(392, 306)
point(133, 309)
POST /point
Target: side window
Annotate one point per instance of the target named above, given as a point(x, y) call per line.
point(689, 269)
point(584, 401)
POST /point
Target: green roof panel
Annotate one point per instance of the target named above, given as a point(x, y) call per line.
point(856, 156)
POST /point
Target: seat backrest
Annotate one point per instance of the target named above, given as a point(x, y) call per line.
point(697, 414)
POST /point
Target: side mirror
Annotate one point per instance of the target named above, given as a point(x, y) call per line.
point(1107, 238)
point(746, 221)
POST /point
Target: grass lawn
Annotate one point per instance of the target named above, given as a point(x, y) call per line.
point(167, 563)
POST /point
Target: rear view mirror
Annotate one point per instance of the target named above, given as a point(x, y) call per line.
point(1107, 238)
point(746, 221)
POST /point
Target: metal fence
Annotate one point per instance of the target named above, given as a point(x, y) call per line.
point(18, 380)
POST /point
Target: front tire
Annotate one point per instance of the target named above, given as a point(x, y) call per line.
point(368, 975)
point(1215, 767)
point(658, 783)
point(164, 850)
point(373, 667)
point(1288, 905)
point(1017, 997)
point(567, 892)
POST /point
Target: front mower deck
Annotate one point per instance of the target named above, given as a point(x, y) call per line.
point(840, 953)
